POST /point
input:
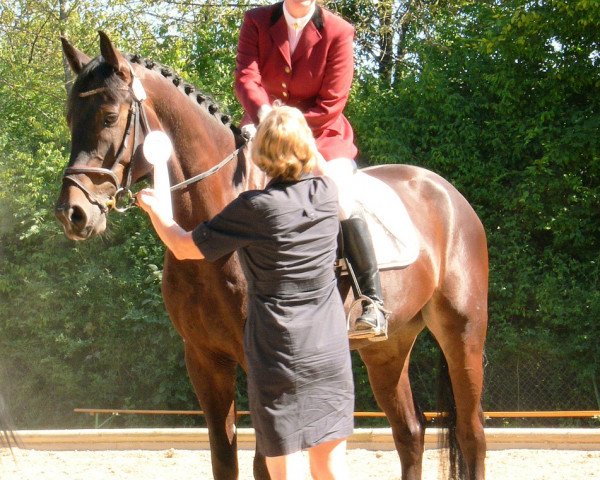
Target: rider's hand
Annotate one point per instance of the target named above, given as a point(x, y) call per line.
point(263, 111)
point(248, 131)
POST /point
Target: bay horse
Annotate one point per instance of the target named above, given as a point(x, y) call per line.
point(445, 290)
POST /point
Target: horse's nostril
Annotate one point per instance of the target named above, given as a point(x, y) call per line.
point(77, 216)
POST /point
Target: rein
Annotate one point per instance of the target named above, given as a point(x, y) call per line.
point(136, 121)
point(209, 172)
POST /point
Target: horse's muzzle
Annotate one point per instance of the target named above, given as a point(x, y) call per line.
point(79, 218)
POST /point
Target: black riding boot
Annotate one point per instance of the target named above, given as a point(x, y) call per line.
point(359, 251)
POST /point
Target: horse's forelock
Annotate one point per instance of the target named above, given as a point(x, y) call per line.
point(96, 74)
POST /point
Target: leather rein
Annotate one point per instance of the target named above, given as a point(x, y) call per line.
point(137, 121)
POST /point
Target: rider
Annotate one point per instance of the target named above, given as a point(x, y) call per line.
point(301, 54)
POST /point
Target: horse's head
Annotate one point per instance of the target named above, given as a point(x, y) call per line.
point(105, 118)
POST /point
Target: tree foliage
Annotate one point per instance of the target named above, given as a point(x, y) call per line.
point(500, 97)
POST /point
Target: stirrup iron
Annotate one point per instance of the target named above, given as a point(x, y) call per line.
point(378, 332)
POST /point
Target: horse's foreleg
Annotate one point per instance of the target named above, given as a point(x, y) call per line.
point(260, 467)
point(214, 383)
point(388, 375)
point(462, 342)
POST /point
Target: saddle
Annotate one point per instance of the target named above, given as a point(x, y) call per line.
point(395, 238)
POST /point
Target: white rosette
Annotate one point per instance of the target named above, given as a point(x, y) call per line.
point(157, 149)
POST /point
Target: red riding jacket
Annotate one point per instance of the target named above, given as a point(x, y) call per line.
point(316, 78)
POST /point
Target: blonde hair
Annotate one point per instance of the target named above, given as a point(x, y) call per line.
point(284, 146)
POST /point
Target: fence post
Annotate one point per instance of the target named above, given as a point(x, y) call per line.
point(595, 385)
point(518, 387)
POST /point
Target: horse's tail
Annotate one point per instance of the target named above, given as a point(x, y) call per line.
point(456, 465)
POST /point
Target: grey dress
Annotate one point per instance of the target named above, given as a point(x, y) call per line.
point(299, 373)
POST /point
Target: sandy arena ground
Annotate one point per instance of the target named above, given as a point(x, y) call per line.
point(195, 465)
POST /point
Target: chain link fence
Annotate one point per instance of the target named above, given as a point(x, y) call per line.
point(526, 381)
point(537, 384)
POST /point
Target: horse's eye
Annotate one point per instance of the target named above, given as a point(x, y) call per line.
point(110, 119)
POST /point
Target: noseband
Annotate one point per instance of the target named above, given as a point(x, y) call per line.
point(123, 199)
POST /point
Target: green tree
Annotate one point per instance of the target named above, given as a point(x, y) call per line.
point(76, 328)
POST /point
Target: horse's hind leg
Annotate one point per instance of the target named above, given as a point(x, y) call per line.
point(462, 338)
point(388, 375)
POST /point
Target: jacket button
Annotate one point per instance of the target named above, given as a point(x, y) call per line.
point(287, 69)
point(285, 94)
point(284, 85)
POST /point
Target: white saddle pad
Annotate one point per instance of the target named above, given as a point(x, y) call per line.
point(395, 237)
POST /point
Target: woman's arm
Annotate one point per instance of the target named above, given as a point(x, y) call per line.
point(179, 241)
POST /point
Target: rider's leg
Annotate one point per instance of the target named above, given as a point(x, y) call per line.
point(341, 171)
point(358, 246)
point(361, 255)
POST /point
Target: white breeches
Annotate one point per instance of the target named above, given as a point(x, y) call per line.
point(340, 170)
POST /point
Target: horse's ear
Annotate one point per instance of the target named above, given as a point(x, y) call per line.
point(77, 60)
point(113, 57)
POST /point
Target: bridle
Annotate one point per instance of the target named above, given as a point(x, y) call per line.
point(137, 121)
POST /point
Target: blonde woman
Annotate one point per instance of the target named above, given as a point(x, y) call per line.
point(300, 384)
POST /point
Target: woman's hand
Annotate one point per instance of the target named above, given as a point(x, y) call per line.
point(146, 199)
point(179, 241)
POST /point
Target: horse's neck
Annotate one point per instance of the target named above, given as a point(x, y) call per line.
point(200, 142)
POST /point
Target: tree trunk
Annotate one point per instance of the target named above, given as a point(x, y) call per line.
point(386, 40)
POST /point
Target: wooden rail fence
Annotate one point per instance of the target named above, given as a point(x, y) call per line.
point(114, 412)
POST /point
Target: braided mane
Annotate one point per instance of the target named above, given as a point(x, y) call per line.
point(202, 99)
